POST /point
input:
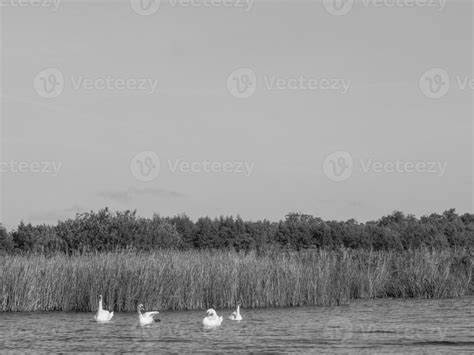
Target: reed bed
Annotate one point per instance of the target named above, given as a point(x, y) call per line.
point(180, 280)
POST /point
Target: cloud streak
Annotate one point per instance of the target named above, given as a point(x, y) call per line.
point(126, 196)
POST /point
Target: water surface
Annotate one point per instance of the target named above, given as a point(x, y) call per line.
point(367, 326)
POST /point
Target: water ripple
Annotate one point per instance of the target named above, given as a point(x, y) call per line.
point(369, 326)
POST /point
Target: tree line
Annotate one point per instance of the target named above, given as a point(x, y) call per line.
point(105, 230)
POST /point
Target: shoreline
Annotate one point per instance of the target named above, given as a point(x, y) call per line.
point(227, 311)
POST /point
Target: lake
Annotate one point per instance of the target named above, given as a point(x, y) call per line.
point(364, 326)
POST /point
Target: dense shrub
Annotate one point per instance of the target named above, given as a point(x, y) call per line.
point(107, 231)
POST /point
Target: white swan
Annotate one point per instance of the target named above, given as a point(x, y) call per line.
point(102, 315)
point(147, 317)
point(236, 314)
point(212, 319)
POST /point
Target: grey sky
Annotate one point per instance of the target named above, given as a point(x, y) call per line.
point(282, 136)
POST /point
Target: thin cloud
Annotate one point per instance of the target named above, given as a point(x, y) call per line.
point(126, 196)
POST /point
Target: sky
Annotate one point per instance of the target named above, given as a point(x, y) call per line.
point(337, 108)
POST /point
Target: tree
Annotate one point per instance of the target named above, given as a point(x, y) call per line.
point(6, 241)
point(186, 228)
point(205, 233)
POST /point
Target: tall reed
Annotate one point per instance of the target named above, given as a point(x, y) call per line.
point(199, 279)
